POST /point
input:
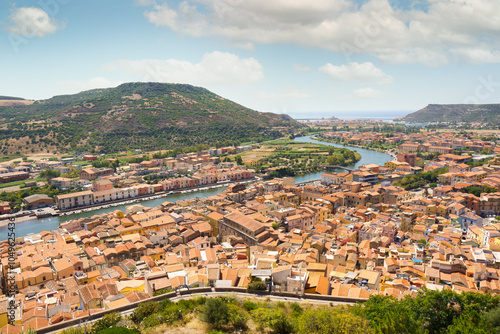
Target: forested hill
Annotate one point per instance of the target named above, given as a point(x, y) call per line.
point(10, 98)
point(483, 113)
point(148, 116)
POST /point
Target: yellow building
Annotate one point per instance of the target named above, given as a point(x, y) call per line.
point(129, 286)
point(160, 254)
point(150, 225)
point(431, 210)
point(93, 276)
point(445, 178)
point(136, 228)
point(494, 245)
point(4, 319)
point(395, 164)
point(323, 214)
point(213, 219)
point(442, 210)
point(4, 312)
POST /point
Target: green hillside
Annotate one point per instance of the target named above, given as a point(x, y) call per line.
point(148, 116)
point(456, 113)
point(10, 98)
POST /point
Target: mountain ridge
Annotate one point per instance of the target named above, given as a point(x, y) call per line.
point(483, 113)
point(135, 115)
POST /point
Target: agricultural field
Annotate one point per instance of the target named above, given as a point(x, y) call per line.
point(296, 157)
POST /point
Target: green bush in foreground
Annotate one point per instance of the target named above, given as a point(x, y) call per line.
point(428, 312)
point(215, 312)
point(117, 330)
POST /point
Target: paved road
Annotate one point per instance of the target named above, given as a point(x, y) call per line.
point(239, 295)
point(261, 297)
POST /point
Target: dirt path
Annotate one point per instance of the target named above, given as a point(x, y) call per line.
point(10, 189)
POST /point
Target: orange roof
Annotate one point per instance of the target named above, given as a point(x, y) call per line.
point(36, 323)
point(12, 329)
point(323, 285)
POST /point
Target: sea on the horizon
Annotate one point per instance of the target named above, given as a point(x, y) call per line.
point(379, 115)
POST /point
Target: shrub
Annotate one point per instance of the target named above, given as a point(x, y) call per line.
point(249, 305)
point(117, 330)
point(165, 303)
point(237, 317)
point(331, 321)
point(215, 312)
point(109, 320)
point(143, 311)
point(296, 309)
point(275, 319)
point(257, 286)
point(153, 320)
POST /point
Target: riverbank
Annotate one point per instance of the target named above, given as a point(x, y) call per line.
point(4, 221)
point(392, 154)
point(286, 157)
point(149, 197)
point(33, 226)
point(106, 206)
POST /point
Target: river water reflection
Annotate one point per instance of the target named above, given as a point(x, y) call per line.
point(52, 223)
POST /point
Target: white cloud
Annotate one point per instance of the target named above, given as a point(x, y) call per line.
point(344, 26)
point(365, 73)
point(143, 3)
point(367, 93)
point(300, 68)
point(31, 22)
point(477, 56)
point(217, 68)
point(289, 94)
point(186, 18)
point(75, 86)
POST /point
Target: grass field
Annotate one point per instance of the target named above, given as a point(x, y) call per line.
point(15, 183)
point(11, 157)
point(301, 157)
point(268, 148)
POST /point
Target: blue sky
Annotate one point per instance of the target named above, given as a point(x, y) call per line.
point(292, 56)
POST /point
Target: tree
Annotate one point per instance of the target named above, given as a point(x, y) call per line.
point(143, 311)
point(117, 330)
point(332, 321)
point(469, 323)
point(257, 286)
point(282, 172)
point(275, 319)
point(238, 160)
point(215, 312)
point(476, 191)
point(49, 174)
point(109, 320)
point(493, 319)
point(387, 315)
point(436, 309)
point(238, 318)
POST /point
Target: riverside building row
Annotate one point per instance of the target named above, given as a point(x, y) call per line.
point(348, 240)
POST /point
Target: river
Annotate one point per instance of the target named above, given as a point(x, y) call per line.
point(367, 157)
point(48, 224)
